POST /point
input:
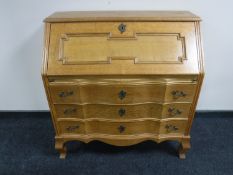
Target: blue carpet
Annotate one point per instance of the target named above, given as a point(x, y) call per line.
point(27, 147)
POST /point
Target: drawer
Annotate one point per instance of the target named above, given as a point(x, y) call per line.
point(113, 48)
point(122, 94)
point(123, 128)
point(148, 110)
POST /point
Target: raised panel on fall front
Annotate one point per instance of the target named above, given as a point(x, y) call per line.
point(102, 48)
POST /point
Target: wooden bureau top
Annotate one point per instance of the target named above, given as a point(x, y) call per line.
point(75, 16)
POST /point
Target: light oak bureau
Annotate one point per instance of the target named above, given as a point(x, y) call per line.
point(122, 77)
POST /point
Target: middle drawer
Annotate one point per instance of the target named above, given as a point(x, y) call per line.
point(147, 110)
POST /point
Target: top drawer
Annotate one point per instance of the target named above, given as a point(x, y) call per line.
point(86, 48)
point(121, 93)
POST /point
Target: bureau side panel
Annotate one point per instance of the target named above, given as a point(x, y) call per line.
point(200, 76)
point(44, 72)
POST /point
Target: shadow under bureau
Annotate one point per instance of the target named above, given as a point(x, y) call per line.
point(122, 77)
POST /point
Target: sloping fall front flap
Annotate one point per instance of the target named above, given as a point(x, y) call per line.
point(103, 48)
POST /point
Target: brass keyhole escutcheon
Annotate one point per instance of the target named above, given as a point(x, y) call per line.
point(122, 28)
point(121, 128)
point(121, 112)
point(122, 94)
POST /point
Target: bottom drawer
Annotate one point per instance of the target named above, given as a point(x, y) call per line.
point(122, 128)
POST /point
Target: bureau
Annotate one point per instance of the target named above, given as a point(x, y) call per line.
point(122, 77)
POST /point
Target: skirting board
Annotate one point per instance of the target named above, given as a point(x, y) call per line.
point(199, 113)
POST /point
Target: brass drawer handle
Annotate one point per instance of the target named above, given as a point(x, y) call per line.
point(174, 112)
point(177, 94)
point(72, 128)
point(122, 28)
point(122, 94)
point(70, 111)
point(171, 128)
point(121, 128)
point(121, 112)
point(65, 94)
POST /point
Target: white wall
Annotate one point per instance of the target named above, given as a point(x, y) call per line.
point(21, 30)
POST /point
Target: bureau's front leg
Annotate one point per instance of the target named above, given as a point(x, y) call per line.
point(184, 147)
point(60, 147)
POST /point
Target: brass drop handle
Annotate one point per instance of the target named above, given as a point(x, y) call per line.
point(122, 94)
point(174, 111)
point(171, 128)
point(177, 94)
point(65, 93)
point(122, 28)
point(121, 112)
point(72, 128)
point(121, 128)
point(70, 111)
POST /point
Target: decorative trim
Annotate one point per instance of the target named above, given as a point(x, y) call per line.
point(65, 37)
point(86, 120)
point(131, 104)
point(120, 140)
point(116, 81)
point(47, 28)
point(227, 113)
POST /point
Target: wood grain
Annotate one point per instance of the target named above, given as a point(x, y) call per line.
point(108, 50)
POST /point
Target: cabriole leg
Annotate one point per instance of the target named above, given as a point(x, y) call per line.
point(184, 147)
point(60, 147)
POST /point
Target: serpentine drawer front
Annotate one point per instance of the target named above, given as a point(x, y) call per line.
point(122, 128)
point(122, 77)
point(122, 93)
point(130, 111)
